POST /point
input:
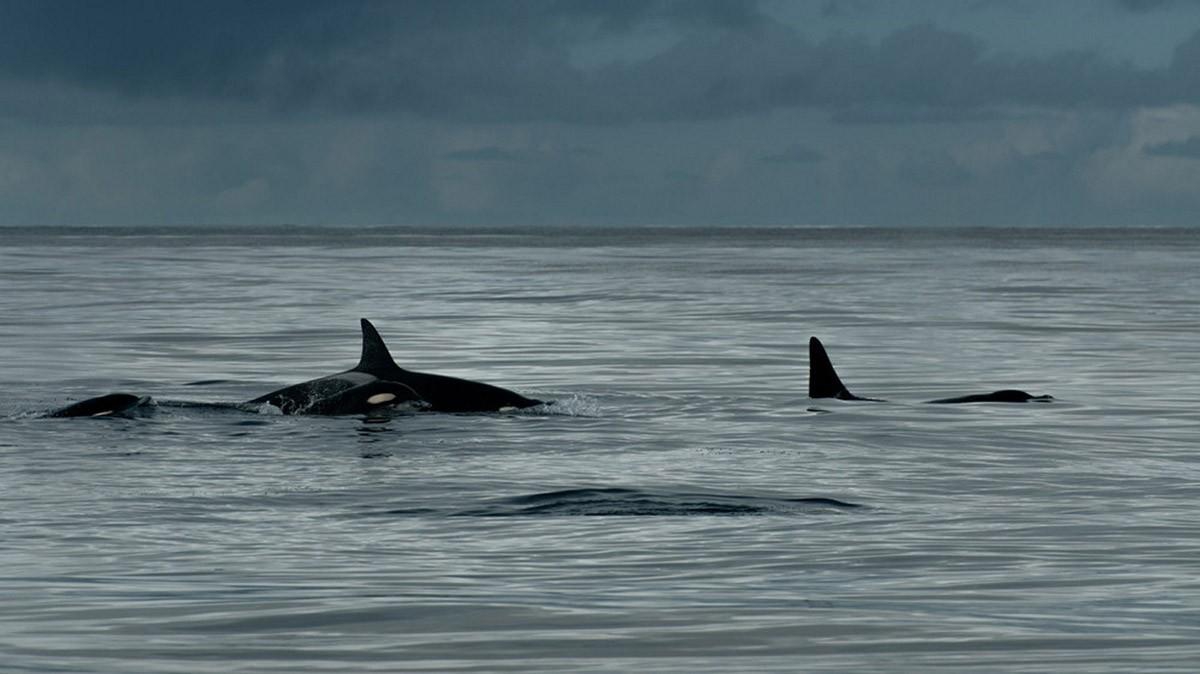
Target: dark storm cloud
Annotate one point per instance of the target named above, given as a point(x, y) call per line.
point(219, 47)
point(513, 62)
point(598, 111)
point(625, 15)
point(155, 47)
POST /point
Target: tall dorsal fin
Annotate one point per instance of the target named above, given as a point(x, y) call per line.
point(823, 380)
point(375, 357)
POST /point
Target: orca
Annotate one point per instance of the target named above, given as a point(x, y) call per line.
point(442, 393)
point(1008, 395)
point(362, 388)
point(111, 405)
point(823, 382)
point(348, 392)
point(375, 384)
point(334, 395)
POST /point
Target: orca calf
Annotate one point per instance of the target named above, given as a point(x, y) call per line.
point(111, 405)
point(823, 382)
point(348, 392)
point(362, 388)
point(375, 384)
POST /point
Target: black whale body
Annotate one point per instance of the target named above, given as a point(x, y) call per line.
point(442, 393)
point(113, 404)
point(824, 382)
point(376, 383)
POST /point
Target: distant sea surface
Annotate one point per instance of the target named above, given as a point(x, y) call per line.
point(682, 507)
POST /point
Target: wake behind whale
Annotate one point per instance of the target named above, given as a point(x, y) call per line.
point(632, 502)
point(622, 501)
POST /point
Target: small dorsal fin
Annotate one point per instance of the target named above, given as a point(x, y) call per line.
point(375, 356)
point(113, 404)
point(823, 380)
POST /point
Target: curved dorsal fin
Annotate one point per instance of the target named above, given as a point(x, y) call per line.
point(823, 380)
point(375, 356)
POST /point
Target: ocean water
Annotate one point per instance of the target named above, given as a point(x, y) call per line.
point(682, 507)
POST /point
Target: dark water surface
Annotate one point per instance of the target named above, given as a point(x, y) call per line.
point(683, 507)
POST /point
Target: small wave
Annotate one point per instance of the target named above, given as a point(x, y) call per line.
point(622, 501)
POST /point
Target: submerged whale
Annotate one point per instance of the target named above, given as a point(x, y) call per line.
point(823, 382)
point(375, 384)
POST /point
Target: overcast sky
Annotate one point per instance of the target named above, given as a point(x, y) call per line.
point(575, 112)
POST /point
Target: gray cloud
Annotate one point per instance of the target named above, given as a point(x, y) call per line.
point(491, 153)
point(840, 7)
point(232, 48)
point(912, 114)
point(469, 112)
point(1142, 6)
point(512, 62)
point(162, 47)
point(796, 154)
point(933, 170)
point(1185, 149)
